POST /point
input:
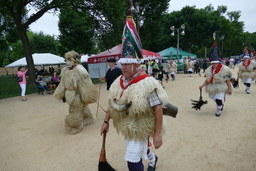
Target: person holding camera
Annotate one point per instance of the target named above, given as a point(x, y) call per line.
point(22, 73)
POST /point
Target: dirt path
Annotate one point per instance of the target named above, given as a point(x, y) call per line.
point(33, 137)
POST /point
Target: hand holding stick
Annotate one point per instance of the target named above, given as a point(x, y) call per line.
point(198, 104)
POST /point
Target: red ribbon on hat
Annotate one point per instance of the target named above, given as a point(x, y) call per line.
point(216, 71)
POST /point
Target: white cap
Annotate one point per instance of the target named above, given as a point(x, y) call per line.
point(246, 56)
point(213, 62)
point(128, 61)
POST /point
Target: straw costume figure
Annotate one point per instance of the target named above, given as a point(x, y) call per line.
point(173, 69)
point(78, 90)
point(190, 66)
point(217, 82)
point(246, 70)
point(135, 104)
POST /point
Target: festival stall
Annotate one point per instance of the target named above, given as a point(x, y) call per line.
point(171, 53)
point(97, 65)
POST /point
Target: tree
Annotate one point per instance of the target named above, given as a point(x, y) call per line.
point(43, 43)
point(39, 42)
point(16, 51)
point(150, 15)
point(250, 39)
point(76, 31)
point(15, 12)
point(3, 53)
point(200, 26)
point(6, 28)
point(110, 27)
point(6, 62)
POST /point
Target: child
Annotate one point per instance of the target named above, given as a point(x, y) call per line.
point(161, 73)
point(173, 69)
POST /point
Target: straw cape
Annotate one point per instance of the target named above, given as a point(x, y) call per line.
point(78, 90)
point(217, 78)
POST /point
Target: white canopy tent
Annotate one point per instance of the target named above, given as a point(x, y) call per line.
point(39, 59)
point(84, 58)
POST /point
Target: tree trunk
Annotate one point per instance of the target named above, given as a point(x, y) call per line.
point(29, 59)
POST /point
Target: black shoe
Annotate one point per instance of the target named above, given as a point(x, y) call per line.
point(217, 114)
point(151, 168)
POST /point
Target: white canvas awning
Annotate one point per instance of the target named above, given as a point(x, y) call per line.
point(39, 59)
point(84, 58)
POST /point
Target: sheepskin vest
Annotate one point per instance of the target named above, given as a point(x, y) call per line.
point(219, 80)
point(78, 85)
point(190, 64)
point(246, 73)
point(138, 121)
point(173, 67)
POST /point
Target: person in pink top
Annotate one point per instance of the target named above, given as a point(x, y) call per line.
point(22, 73)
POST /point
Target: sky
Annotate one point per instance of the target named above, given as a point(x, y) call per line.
point(48, 23)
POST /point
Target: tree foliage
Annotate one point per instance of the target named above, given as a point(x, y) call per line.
point(15, 12)
point(43, 43)
point(200, 26)
point(76, 31)
point(16, 52)
point(108, 19)
point(150, 15)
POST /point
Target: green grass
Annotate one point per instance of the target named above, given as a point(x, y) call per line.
point(11, 88)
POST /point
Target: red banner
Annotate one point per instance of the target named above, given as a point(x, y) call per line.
point(95, 60)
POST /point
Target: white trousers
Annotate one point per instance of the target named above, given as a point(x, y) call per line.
point(136, 150)
point(220, 96)
point(23, 89)
point(190, 69)
point(246, 80)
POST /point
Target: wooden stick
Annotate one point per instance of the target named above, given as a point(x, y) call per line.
point(200, 97)
point(103, 151)
point(98, 95)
